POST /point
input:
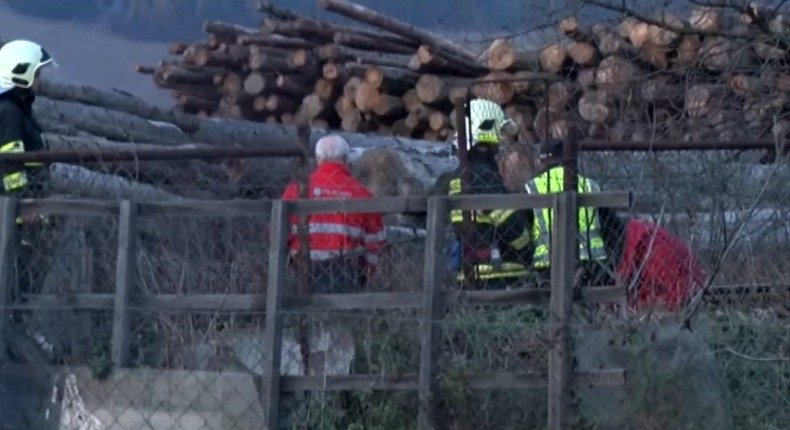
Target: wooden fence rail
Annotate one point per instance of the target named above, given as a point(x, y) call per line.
point(431, 302)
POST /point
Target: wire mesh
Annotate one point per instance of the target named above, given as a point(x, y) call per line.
point(198, 361)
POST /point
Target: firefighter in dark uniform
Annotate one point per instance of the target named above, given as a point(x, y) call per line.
point(20, 64)
point(500, 244)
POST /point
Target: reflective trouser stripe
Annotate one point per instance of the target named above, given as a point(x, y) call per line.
point(16, 180)
point(487, 271)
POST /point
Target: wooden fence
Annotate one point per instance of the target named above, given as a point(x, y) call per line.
point(430, 302)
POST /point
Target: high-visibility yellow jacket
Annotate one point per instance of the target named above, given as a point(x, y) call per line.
point(19, 132)
point(591, 244)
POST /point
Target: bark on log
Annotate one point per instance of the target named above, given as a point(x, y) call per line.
point(368, 16)
point(194, 103)
point(327, 89)
point(430, 60)
point(270, 63)
point(370, 44)
point(426, 160)
point(280, 104)
point(501, 55)
point(232, 59)
point(389, 106)
point(327, 30)
point(116, 100)
point(394, 81)
point(294, 85)
point(221, 27)
point(180, 75)
point(275, 41)
point(181, 176)
point(102, 122)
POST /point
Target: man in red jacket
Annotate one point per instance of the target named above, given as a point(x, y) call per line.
point(659, 269)
point(344, 247)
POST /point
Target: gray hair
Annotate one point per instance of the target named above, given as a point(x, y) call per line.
point(332, 148)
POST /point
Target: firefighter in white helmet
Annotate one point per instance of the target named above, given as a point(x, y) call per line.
point(21, 62)
point(500, 247)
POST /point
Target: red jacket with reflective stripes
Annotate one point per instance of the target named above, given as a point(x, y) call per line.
point(670, 273)
point(355, 235)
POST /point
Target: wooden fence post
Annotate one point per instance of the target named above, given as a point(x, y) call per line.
point(275, 300)
point(563, 268)
point(125, 275)
point(432, 306)
point(8, 208)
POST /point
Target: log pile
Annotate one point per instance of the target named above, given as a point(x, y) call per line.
point(668, 78)
point(86, 120)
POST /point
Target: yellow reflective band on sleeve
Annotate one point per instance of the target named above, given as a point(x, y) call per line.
point(522, 241)
point(15, 181)
point(13, 146)
point(499, 216)
point(455, 186)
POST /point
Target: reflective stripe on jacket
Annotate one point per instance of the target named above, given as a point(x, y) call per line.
point(494, 218)
point(591, 245)
point(338, 235)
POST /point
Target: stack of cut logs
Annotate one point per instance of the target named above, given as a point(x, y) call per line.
point(712, 76)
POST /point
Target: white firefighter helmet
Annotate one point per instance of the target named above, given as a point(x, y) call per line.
point(485, 122)
point(19, 62)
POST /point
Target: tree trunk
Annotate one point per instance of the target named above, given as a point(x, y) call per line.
point(116, 100)
point(553, 58)
point(392, 80)
point(370, 17)
point(594, 108)
point(429, 60)
point(501, 55)
point(498, 92)
point(371, 44)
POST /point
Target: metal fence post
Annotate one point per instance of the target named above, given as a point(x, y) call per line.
point(563, 268)
point(275, 300)
point(8, 207)
point(124, 283)
point(434, 271)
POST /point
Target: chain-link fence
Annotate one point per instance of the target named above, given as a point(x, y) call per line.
point(197, 344)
